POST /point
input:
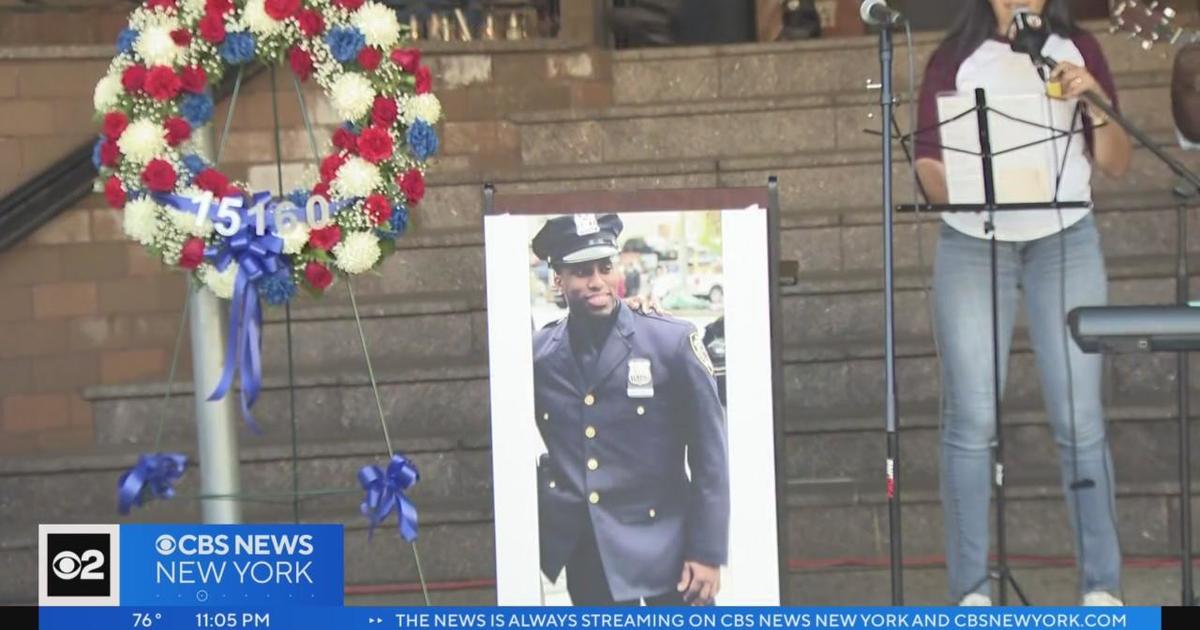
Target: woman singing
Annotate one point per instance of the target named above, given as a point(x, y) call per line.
point(1051, 255)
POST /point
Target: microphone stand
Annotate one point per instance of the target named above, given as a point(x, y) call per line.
point(886, 103)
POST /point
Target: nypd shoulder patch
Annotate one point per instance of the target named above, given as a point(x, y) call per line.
point(701, 352)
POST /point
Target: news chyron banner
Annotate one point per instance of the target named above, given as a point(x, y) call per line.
point(291, 577)
point(190, 565)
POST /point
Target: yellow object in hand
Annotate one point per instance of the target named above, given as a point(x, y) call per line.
point(1054, 89)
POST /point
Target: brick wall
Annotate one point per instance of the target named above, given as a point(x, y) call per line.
point(84, 306)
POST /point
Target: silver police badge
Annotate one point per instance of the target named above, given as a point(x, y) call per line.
point(641, 381)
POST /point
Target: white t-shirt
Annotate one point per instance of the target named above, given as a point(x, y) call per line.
point(994, 67)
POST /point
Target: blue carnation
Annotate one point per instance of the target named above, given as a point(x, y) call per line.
point(279, 288)
point(399, 222)
point(194, 163)
point(345, 42)
point(422, 140)
point(125, 40)
point(197, 109)
point(238, 48)
point(351, 127)
point(96, 152)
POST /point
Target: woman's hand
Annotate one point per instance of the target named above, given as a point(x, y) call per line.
point(1075, 80)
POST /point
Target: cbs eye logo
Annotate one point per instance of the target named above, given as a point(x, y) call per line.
point(78, 565)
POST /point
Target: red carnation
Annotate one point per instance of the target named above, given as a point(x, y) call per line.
point(178, 130)
point(212, 180)
point(349, 5)
point(193, 79)
point(375, 144)
point(218, 7)
point(181, 37)
point(383, 112)
point(159, 176)
point(109, 152)
point(115, 124)
point(413, 185)
point(379, 209)
point(407, 59)
point(311, 23)
point(281, 9)
point(212, 27)
point(162, 83)
point(424, 80)
point(133, 78)
point(345, 139)
point(325, 238)
point(114, 192)
point(165, 4)
point(369, 58)
point(317, 275)
point(192, 254)
point(301, 63)
point(321, 190)
point(330, 166)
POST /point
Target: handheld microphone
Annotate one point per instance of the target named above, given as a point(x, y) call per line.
point(878, 13)
point(1027, 34)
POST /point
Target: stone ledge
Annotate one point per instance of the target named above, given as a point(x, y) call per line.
point(434, 512)
point(800, 101)
point(474, 368)
point(377, 306)
point(116, 460)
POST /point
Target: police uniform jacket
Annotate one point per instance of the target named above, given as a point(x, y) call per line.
point(617, 448)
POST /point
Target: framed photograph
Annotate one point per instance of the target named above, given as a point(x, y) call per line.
point(635, 396)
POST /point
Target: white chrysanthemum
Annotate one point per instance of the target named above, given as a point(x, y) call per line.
point(107, 90)
point(186, 222)
point(356, 178)
point(357, 252)
point(256, 19)
point(142, 140)
point(141, 218)
point(193, 6)
point(378, 24)
point(155, 46)
point(294, 237)
point(219, 282)
point(422, 107)
point(352, 95)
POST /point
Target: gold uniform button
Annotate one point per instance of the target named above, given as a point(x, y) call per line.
point(641, 411)
point(594, 497)
point(555, 485)
point(653, 513)
point(593, 464)
point(590, 432)
point(589, 400)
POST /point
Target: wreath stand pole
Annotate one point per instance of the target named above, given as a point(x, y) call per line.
point(216, 421)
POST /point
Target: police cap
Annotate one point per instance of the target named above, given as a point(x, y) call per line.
point(576, 238)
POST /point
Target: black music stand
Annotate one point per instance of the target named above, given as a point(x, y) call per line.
point(1002, 573)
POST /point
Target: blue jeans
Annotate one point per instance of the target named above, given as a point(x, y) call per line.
point(963, 316)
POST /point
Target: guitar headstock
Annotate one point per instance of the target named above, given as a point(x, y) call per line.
point(1151, 23)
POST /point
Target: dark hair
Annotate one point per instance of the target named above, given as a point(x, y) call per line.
point(977, 22)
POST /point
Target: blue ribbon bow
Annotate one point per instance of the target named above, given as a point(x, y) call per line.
point(152, 478)
point(385, 493)
point(258, 255)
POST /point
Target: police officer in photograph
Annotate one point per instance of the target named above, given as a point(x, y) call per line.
point(623, 401)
